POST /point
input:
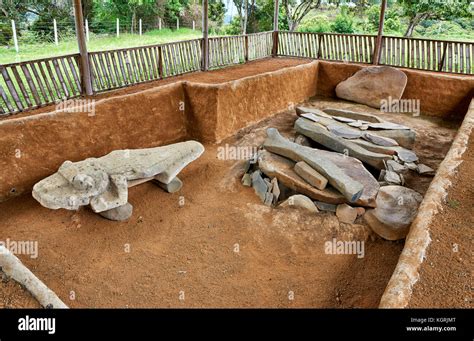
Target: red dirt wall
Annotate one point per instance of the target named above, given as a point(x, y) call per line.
point(33, 147)
point(219, 110)
point(441, 95)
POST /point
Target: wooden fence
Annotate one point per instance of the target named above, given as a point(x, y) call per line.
point(414, 53)
point(40, 82)
point(36, 83)
point(329, 46)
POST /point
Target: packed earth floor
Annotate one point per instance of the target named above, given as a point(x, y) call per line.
point(214, 244)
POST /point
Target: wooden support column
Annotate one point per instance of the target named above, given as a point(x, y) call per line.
point(378, 42)
point(275, 29)
point(85, 69)
point(205, 36)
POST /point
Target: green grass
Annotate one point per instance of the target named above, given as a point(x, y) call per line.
point(96, 43)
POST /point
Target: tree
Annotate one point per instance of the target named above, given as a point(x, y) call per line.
point(420, 10)
point(296, 11)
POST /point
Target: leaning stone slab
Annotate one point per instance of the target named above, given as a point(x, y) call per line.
point(310, 175)
point(103, 182)
point(372, 85)
point(259, 185)
point(275, 143)
point(339, 144)
point(283, 169)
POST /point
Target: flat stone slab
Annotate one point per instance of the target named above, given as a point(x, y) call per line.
point(339, 144)
point(103, 182)
point(379, 140)
point(372, 85)
point(366, 117)
point(344, 132)
point(300, 111)
point(388, 126)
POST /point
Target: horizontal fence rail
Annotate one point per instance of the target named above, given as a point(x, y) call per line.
point(35, 83)
point(32, 84)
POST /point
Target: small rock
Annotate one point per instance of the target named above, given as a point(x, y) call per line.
point(275, 190)
point(411, 166)
point(406, 155)
point(382, 174)
point(268, 199)
point(120, 213)
point(392, 178)
point(424, 169)
point(396, 167)
point(346, 214)
point(379, 140)
point(247, 180)
point(360, 211)
point(310, 175)
point(302, 140)
point(323, 206)
point(300, 201)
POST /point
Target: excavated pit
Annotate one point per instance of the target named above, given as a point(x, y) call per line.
point(213, 244)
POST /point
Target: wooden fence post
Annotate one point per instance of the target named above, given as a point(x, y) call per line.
point(205, 36)
point(378, 43)
point(140, 26)
point(275, 29)
point(86, 81)
point(118, 27)
point(160, 61)
point(55, 28)
point(87, 30)
point(443, 58)
point(15, 39)
point(246, 48)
